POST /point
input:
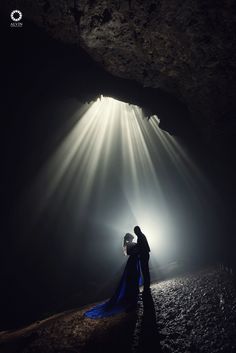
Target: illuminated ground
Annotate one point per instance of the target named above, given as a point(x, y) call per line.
point(192, 313)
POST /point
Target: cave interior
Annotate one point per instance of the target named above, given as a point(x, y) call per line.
point(45, 77)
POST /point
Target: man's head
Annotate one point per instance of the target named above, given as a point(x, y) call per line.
point(137, 230)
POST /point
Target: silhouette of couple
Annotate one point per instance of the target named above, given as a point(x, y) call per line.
point(126, 295)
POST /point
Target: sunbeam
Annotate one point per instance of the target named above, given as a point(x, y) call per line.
point(118, 169)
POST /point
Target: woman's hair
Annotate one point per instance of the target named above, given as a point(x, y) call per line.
point(127, 238)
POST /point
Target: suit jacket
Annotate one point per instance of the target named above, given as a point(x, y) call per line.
point(143, 246)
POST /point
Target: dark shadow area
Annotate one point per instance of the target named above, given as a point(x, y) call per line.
point(138, 332)
point(149, 338)
point(18, 345)
point(118, 338)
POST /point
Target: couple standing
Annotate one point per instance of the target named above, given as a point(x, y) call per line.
point(142, 249)
point(126, 295)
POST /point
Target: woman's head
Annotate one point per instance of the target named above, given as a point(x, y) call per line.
point(128, 238)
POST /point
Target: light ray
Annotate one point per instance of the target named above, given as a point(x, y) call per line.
point(119, 169)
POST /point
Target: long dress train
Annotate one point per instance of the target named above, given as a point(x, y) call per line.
point(126, 295)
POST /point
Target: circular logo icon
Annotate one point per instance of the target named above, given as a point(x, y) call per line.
point(16, 15)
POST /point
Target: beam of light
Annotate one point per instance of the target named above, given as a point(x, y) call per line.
point(118, 170)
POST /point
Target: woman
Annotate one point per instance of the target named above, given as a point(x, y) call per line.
point(126, 295)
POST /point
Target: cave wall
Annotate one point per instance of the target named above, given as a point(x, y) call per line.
point(186, 47)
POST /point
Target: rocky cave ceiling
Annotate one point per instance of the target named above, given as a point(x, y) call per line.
point(185, 47)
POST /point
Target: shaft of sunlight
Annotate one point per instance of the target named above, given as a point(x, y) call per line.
point(119, 168)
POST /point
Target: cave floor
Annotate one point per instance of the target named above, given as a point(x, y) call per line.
point(191, 313)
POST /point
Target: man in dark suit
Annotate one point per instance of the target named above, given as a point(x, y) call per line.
point(144, 250)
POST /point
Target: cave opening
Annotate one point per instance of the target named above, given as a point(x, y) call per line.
point(159, 176)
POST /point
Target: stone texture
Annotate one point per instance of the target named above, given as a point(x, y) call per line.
point(191, 313)
point(185, 47)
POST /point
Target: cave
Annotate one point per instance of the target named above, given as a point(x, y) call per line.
point(118, 114)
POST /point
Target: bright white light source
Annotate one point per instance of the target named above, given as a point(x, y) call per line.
point(115, 167)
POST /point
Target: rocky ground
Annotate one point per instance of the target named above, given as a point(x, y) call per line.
point(191, 313)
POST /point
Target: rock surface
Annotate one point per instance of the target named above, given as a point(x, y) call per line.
point(183, 47)
point(192, 313)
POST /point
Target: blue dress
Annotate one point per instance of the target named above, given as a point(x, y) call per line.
point(126, 295)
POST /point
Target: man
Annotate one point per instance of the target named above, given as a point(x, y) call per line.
point(144, 257)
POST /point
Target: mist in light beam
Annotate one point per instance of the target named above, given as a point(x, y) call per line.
point(115, 169)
